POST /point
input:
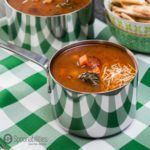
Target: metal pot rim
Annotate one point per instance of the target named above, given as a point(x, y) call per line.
point(70, 13)
point(86, 42)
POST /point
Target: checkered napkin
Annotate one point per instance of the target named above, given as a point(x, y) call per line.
point(26, 121)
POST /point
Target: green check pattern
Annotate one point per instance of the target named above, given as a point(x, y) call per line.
point(26, 120)
point(101, 116)
point(38, 33)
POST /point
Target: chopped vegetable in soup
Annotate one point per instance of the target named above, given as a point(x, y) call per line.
point(47, 7)
point(93, 68)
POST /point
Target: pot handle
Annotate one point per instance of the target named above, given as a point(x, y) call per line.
point(38, 59)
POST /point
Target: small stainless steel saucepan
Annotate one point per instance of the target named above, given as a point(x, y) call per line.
point(46, 28)
point(91, 115)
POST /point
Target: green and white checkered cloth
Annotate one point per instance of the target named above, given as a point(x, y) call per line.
point(26, 120)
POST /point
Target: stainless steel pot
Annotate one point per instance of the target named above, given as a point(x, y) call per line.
point(84, 114)
point(25, 28)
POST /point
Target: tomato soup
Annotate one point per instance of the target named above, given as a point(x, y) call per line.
point(93, 68)
point(48, 7)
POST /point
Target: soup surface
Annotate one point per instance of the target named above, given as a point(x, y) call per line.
point(93, 68)
point(47, 7)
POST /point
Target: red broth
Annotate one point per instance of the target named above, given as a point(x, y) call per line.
point(66, 70)
point(49, 9)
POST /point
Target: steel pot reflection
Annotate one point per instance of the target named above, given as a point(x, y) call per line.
point(29, 31)
point(93, 115)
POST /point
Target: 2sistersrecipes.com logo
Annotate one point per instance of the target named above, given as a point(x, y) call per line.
point(32, 140)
